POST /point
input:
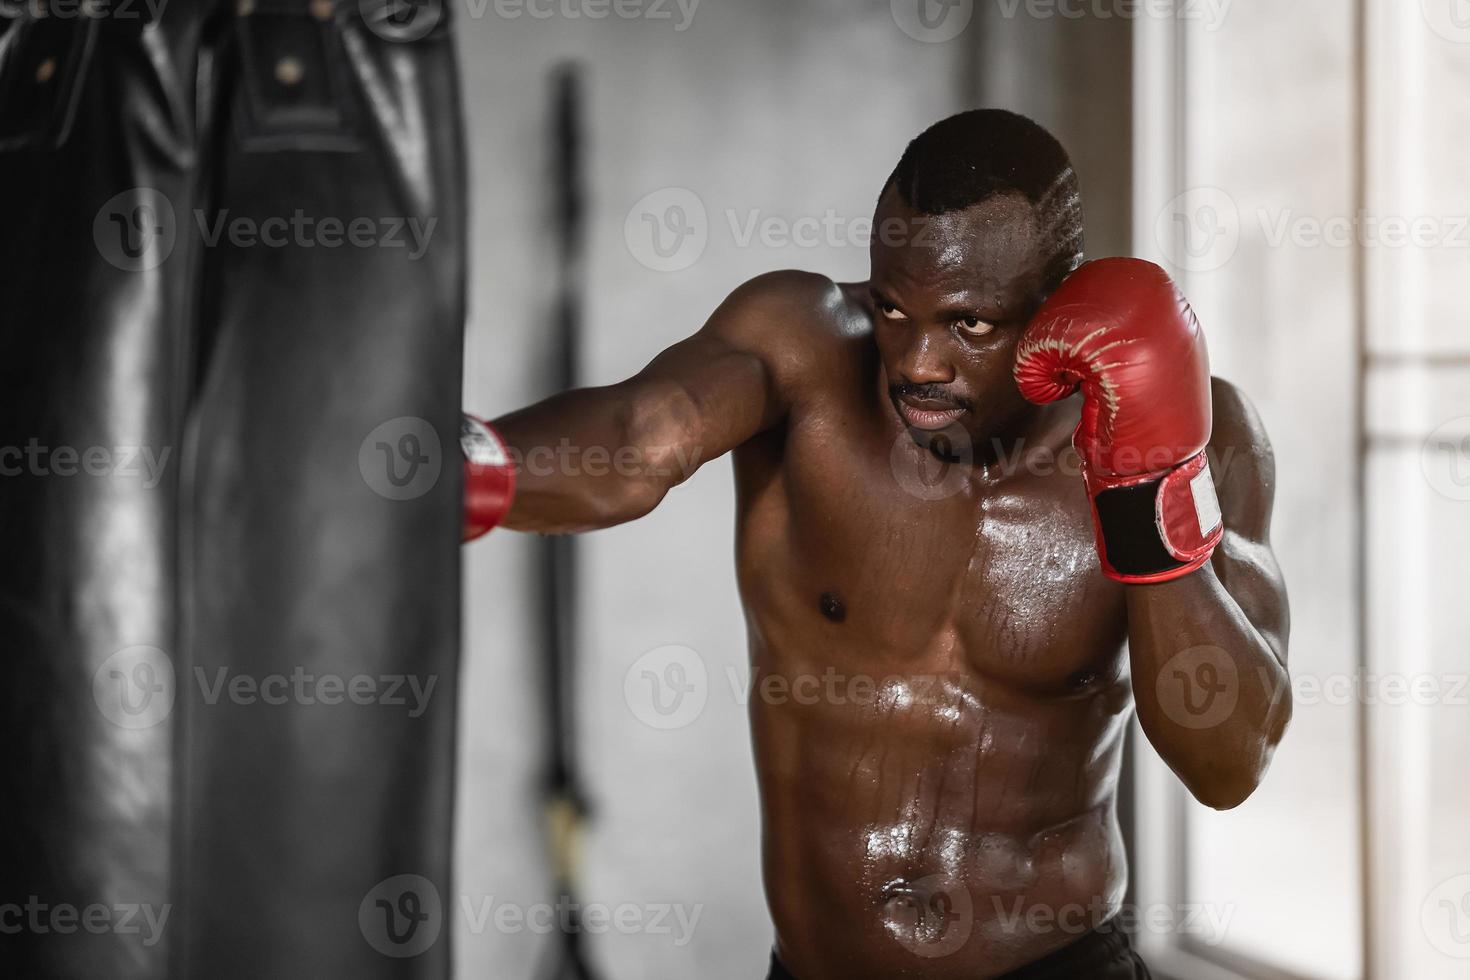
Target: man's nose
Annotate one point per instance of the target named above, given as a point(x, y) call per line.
point(926, 361)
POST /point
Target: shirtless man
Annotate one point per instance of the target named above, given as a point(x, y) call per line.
point(906, 515)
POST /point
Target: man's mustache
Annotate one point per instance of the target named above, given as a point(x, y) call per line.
point(928, 393)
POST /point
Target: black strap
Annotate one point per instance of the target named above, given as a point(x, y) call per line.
point(1130, 530)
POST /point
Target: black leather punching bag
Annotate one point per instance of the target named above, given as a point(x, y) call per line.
point(232, 293)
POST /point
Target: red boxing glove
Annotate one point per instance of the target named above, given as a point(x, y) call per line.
point(1120, 330)
point(489, 478)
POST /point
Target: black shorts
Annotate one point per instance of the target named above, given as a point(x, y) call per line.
point(1105, 955)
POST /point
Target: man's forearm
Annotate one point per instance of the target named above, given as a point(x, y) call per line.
point(595, 457)
point(1213, 695)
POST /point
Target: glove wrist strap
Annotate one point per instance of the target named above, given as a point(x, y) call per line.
point(489, 477)
point(1156, 527)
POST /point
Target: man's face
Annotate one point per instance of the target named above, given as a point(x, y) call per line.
point(952, 294)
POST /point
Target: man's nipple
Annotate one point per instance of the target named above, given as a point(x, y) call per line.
point(832, 606)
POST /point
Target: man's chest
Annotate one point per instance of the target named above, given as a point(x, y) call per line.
point(893, 555)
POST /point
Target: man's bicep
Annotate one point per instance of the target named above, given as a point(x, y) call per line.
point(733, 379)
point(702, 396)
point(728, 383)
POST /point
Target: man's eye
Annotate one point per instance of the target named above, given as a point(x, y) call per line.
point(974, 326)
point(891, 312)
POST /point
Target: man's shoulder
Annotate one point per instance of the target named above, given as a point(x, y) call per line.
point(799, 323)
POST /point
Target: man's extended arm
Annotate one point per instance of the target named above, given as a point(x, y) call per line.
point(596, 457)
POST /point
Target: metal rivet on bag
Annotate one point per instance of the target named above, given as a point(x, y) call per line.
point(289, 71)
point(45, 70)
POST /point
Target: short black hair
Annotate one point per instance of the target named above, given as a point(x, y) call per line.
point(972, 157)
